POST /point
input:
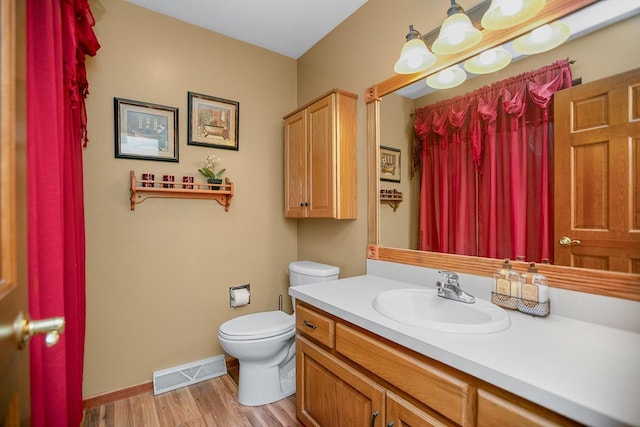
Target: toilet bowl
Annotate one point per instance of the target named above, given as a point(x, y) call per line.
point(264, 343)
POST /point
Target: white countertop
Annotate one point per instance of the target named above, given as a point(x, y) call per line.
point(585, 371)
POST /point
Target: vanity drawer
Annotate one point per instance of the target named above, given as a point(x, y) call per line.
point(512, 411)
point(434, 387)
point(315, 325)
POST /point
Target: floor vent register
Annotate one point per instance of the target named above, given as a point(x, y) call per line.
point(190, 373)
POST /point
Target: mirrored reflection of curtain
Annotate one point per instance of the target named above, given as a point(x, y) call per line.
point(486, 161)
point(59, 36)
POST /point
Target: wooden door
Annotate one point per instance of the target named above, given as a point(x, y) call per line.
point(331, 393)
point(295, 165)
point(597, 151)
point(321, 160)
point(14, 383)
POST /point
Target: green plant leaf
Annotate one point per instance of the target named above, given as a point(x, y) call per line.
point(207, 173)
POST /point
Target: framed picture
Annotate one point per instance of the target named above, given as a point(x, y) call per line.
point(145, 131)
point(213, 122)
point(389, 164)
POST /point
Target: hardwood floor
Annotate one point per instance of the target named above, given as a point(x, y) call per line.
point(208, 403)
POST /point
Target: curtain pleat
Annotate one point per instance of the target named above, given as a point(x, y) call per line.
point(486, 159)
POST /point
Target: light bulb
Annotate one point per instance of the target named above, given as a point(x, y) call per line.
point(510, 7)
point(488, 61)
point(541, 34)
point(488, 57)
point(542, 39)
point(455, 34)
point(446, 76)
point(414, 61)
point(415, 56)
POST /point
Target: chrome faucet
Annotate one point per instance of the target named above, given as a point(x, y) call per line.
point(450, 289)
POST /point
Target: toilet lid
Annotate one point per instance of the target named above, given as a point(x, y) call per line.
point(259, 325)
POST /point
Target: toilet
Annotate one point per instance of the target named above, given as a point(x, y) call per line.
point(264, 343)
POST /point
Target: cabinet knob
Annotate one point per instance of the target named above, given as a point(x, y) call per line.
point(390, 424)
point(306, 203)
point(302, 204)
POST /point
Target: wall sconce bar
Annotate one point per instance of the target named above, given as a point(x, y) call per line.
point(553, 10)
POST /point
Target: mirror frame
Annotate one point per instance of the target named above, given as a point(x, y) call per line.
point(607, 283)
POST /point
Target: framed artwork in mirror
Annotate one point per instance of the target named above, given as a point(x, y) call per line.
point(213, 122)
point(389, 164)
point(145, 131)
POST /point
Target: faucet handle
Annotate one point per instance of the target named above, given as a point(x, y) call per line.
point(450, 276)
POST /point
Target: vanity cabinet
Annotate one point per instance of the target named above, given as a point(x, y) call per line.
point(320, 158)
point(349, 376)
point(331, 393)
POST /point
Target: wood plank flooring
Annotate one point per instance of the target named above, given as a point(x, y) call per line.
point(208, 403)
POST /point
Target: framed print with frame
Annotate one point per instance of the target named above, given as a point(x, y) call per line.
point(389, 164)
point(145, 131)
point(213, 122)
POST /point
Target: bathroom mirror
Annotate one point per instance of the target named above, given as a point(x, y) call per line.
point(617, 284)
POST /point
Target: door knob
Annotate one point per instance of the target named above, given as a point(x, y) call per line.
point(567, 241)
point(23, 329)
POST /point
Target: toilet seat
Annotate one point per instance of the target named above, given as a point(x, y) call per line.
point(258, 325)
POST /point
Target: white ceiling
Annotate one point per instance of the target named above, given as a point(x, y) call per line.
point(288, 27)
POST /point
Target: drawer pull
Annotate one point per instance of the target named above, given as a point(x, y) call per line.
point(309, 325)
point(373, 418)
point(390, 424)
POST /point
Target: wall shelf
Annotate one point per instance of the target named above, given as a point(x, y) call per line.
point(391, 197)
point(142, 190)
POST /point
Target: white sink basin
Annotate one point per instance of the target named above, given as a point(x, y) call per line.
point(424, 308)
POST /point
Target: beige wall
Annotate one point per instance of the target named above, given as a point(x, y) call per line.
point(399, 228)
point(158, 277)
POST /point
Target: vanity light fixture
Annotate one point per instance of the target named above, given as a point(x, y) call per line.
point(457, 34)
point(542, 39)
point(489, 61)
point(447, 78)
point(508, 13)
point(415, 56)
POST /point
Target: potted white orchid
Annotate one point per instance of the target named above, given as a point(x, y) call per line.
point(209, 170)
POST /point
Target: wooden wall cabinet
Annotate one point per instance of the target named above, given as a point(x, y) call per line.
point(320, 158)
point(349, 376)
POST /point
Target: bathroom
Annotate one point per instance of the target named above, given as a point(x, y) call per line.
point(158, 277)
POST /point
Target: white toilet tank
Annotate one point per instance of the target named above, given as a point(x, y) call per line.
point(306, 272)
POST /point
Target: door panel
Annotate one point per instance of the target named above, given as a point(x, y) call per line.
point(14, 387)
point(322, 158)
point(295, 152)
point(597, 134)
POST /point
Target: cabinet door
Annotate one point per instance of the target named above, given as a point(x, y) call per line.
point(401, 413)
point(321, 158)
point(331, 393)
point(295, 165)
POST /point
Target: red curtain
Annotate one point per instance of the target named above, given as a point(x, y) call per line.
point(59, 36)
point(486, 159)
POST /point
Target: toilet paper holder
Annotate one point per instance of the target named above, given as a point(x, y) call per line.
point(232, 292)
